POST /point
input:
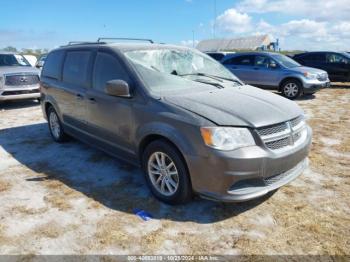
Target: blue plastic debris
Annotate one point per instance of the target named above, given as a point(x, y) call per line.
point(142, 214)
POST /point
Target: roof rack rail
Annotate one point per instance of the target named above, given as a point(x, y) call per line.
point(124, 39)
point(83, 42)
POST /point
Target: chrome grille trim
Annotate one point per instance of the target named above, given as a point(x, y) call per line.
point(24, 79)
point(283, 136)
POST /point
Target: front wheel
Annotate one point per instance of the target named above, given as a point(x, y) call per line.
point(291, 89)
point(166, 173)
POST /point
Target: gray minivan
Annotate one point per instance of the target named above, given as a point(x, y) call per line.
point(191, 125)
point(276, 71)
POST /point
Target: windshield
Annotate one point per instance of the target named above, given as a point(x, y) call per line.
point(285, 61)
point(169, 67)
point(13, 60)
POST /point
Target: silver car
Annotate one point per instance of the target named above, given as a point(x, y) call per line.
point(276, 71)
point(18, 79)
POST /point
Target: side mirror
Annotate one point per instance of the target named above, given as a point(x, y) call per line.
point(118, 88)
point(40, 64)
point(273, 65)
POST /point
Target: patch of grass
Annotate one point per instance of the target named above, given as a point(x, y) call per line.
point(29, 211)
point(4, 186)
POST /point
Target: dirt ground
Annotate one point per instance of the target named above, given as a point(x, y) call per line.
point(73, 199)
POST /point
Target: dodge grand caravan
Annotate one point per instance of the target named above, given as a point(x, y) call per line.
point(191, 125)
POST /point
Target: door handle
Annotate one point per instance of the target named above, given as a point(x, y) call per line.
point(79, 97)
point(92, 100)
point(256, 68)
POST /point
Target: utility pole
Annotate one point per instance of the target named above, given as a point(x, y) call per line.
point(193, 38)
point(214, 25)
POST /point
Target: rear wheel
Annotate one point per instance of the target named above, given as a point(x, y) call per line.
point(291, 89)
point(55, 126)
point(166, 173)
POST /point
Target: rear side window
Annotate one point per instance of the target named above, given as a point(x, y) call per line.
point(53, 65)
point(217, 57)
point(262, 61)
point(76, 67)
point(313, 57)
point(107, 68)
point(247, 60)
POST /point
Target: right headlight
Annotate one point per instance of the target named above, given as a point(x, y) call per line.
point(310, 75)
point(227, 138)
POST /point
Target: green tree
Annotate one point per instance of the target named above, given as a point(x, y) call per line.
point(10, 49)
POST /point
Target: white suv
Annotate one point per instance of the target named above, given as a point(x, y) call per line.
point(18, 79)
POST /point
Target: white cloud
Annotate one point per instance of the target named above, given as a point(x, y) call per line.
point(189, 43)
point(318, 28)
point(233, 21)
point(333, 10)
point(304, 28)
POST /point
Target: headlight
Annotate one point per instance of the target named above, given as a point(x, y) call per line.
point(227, 138)
point(310, 75)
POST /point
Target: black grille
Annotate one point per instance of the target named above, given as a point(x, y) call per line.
point(21, 80)
point(296, 121)
point(274, 145)
point(22, 92)
point(272, 129)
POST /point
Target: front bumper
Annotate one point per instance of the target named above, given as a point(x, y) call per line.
point(246, 173)
point(312, 86)
point(19, 93)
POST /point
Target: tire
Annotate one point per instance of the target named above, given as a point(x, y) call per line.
point(291, 89)
point(55, 126)
point(169, 184)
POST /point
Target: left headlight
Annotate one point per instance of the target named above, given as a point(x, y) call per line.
point(227, 138)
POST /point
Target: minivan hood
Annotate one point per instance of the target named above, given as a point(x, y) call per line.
point(238, 106)
point(18, 69)
point(303, 69)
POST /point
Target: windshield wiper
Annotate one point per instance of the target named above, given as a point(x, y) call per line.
point(219, 78)
point(210, 83)
point(202, 74)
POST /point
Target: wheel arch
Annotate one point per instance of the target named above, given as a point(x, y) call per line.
point(288, 78)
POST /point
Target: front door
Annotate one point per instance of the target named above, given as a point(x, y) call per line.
point(338, 67)
point(266, 72)
point(110, 118)
point(242, 67)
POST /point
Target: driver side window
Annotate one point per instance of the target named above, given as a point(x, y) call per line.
point(265, 62)
point(336, 59)
point(107, 68)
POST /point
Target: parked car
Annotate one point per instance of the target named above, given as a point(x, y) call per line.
point(40, 63)
point(31, 59)
point(218, 56)
point(276, 71)
point(337, 64)
point(18, 79)
point(191, 125)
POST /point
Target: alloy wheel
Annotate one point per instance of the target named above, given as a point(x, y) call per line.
point(54, 125)
point(163, 173)
point(291, 89)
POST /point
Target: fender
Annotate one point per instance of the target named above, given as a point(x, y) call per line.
point(168, 131)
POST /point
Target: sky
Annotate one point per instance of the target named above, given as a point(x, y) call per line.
point(298, 24)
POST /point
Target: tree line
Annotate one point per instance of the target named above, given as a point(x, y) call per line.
point(26, 51)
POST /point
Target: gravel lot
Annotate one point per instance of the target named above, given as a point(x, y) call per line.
point(72, 199)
